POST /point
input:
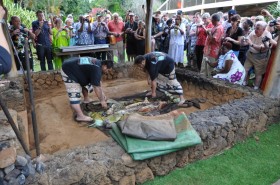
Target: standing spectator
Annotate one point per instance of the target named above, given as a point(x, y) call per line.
point(60, 38)
point(69, 26)
point(176, 44)
point(222, 18)
point(165, 18)
point(184, 20)
point(130, 28)
point(83, 31)
point(234, 34)
point(43, 43)
point(100, 31)
point(19, 34)
point(166, 35)
point(107, 19)
point(226, 24)
point(258, 53)
point(201, 38)
point(140, 37)
point(193, 38)
point(157, 31)
point(247, 26)
point(212, 45)
point(70, 17)
point(116, 27)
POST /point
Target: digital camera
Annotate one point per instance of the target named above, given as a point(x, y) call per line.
point(265, 39)
point(273, 23)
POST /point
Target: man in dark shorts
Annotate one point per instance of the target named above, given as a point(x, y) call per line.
point(161, 73)
point(5, 57)
point(79, 72)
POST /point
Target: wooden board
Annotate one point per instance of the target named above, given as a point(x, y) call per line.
point(83, 48)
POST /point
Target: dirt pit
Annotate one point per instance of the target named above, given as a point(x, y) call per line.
point(59, 131)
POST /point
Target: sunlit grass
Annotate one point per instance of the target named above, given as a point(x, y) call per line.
point(255, 162)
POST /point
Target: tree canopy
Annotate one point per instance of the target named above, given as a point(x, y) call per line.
point(80, 7)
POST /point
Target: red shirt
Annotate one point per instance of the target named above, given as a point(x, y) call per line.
point(117, 28)
point(212, 46)
point(201, 34)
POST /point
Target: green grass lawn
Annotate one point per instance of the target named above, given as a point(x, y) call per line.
point(253, 162)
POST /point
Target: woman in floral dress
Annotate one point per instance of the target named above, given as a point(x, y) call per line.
point(232, 70)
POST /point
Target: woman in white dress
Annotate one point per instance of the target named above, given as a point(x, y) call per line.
point(232, 70)
point(176, 44)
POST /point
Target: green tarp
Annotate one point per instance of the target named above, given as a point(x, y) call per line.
point(140, 149)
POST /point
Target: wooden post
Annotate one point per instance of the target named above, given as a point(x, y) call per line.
point(273, 81)
point(149, 14)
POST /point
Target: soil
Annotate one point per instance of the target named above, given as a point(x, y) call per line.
point(59, 131)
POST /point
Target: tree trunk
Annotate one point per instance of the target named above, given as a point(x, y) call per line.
point(149, 14)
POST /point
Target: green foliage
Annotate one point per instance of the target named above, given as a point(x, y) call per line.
point(274, 9)
point(25, 15)
point(255, 161)
point(60, 7)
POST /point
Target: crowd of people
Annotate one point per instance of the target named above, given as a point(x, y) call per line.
point(222, 45)
point(203, 37)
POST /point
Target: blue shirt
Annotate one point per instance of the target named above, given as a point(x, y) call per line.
point(84, 37)
point(100, 30)
point(44, 36)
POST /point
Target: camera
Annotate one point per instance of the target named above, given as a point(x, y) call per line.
point(265, 39)
point(245, 38)
point(273, 23)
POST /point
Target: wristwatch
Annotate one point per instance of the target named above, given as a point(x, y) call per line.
point(252, 45)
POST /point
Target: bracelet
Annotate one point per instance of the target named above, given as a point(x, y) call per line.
point(2, 21)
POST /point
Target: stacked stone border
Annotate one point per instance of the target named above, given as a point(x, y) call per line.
point(220, 127)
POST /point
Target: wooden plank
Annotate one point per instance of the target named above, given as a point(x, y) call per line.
point(83, 48)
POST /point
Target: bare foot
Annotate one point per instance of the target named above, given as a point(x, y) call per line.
point(83, 119)
point(182, 101)
point(149, 93)
point(88, 100)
